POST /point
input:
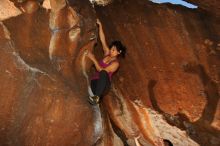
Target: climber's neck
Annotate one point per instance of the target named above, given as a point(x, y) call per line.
point(112, 57)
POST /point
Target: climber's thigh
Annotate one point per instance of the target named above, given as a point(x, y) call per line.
point(93, 85)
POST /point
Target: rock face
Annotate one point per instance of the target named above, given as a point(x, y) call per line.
point(100, 2)
point(172, 66)
point(7, 10)
point(212, 6)
point(43, 96)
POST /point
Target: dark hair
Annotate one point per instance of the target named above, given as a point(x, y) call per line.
point(120, 48)
point(166, 141)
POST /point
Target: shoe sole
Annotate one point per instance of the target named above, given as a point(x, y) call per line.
point(91, 101)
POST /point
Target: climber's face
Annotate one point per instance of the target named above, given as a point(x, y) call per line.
point(114, 52)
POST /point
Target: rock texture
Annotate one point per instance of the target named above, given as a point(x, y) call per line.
point(101, 2)
point(212, 6)
point(7, 10)
point(43, 99)
point(167, 86)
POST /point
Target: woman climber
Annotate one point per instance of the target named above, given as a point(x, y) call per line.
point(101, 80)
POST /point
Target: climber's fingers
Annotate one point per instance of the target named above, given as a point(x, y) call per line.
point(138, 137)
point(98, 22)
point(136, 141)
point(86, 52)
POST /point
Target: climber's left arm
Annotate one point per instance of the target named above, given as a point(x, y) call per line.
point(94, 60)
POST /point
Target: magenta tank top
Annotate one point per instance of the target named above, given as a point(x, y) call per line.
point(104, 65)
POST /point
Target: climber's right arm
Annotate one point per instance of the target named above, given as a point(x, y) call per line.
point(102, 38)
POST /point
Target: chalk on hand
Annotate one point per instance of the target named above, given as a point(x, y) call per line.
point(86, 52)
point(93, 37)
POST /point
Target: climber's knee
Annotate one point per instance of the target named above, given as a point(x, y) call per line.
point(103, 73)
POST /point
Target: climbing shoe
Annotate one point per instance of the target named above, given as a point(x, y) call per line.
point(93, 100)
